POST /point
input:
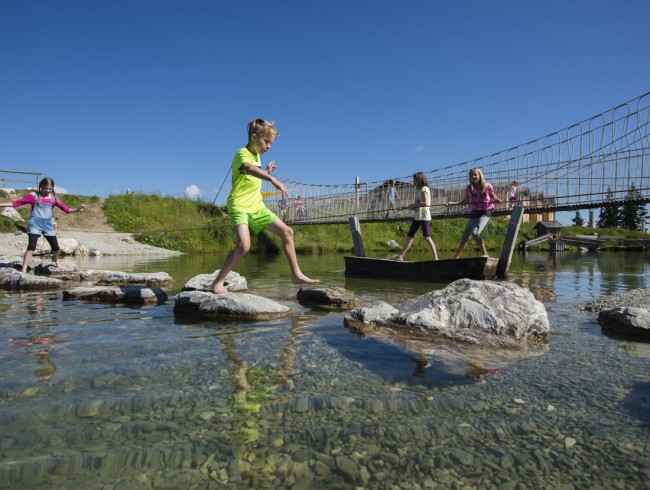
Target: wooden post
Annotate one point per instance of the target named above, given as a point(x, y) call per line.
point(510, 241)
point(357, 239)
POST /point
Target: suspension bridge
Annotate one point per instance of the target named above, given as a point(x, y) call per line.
point(599, 161)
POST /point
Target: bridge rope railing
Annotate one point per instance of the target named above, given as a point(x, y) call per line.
point(603, 159)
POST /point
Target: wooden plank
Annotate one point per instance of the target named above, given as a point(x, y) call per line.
point(357, 239)
point(510, 241)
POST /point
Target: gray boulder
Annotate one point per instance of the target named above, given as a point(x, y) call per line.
point(135, 295)
point(628, 321)
point(328, 298)
point(68, 246)
point(203, 282)
point(363, 319)
point(231, 306)
point(11, 279)
point(8, 193)
point(484, 313)
point(12, 214)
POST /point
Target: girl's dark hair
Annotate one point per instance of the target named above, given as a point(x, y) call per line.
point(420, 180)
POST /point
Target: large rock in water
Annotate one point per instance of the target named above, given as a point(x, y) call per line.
point(231, 306)
point(477, 312)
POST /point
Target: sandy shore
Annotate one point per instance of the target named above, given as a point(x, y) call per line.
point(106, 243)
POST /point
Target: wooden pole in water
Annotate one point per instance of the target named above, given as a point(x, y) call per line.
point(357, 239)
point(510, 241)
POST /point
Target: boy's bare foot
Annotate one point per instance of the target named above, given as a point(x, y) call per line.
point(397, 258)
point(303, 279)
point(218, 289)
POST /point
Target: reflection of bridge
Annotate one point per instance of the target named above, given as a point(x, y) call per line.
point(601, 160)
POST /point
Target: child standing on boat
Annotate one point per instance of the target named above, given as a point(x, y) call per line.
point(422, 217)
point(481, 197)
point(246, 209)
point(40, 220)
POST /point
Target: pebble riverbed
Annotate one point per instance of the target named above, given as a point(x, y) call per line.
point(96, 396)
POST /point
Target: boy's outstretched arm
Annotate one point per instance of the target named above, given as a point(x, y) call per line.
point(256, 171)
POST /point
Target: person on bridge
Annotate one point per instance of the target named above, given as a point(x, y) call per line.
point(40, 220)
point(391, 198)
point(422, 217)
point(246, 208)
point(481, 198)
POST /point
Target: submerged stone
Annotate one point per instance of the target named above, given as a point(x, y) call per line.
point(137, 295)
point(328, 298)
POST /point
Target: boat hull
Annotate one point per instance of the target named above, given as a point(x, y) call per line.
point(429, 270)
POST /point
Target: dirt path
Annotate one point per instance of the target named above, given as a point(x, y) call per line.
point(90, 220)
point(91, 230)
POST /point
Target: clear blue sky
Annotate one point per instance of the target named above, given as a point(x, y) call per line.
point(156, 94)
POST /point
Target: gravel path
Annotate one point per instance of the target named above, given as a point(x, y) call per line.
point(108, 243)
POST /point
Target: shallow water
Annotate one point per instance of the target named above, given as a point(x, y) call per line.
point(96, 396)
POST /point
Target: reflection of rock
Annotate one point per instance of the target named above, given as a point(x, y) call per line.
point(138, 295)
point(231, 306)
point(328, 298)
point(476, 312)
point(628, 321)
point(203, 282)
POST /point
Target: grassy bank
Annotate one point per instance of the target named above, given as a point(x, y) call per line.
point(193, 227)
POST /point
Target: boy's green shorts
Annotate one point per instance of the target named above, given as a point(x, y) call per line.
point(256, 221)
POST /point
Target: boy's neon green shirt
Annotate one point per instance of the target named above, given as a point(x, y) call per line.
point(246, 195)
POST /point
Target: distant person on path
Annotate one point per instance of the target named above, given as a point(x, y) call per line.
point(422, 217)
point(246, 209)
point(391, 198)
point(40, 220)
point(481, 197)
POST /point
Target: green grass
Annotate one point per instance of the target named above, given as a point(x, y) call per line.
point(167, 222)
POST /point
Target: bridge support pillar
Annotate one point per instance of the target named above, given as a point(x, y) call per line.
point(357, 239)
point(509, 242)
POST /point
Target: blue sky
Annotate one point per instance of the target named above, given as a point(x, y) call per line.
point(155, 95)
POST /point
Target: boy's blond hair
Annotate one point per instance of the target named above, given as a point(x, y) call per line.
point(262, 127)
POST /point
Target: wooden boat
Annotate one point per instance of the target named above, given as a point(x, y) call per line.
point(446, 270)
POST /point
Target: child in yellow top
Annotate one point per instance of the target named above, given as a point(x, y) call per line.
point(246, 209)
